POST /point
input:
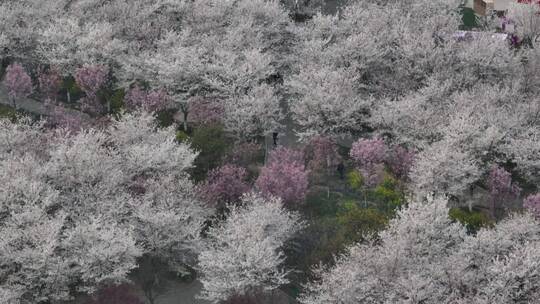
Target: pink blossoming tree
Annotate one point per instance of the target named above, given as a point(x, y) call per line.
point(244, 154)
point(401, 161)
point(62, 118)
point(532, 203)
point(285, 176)
point(500, 187)
point(321, 153)
point(17, 82)
point(225, 184)
point(92, 78)
point(205, 111)
point(49, 84)
point(283, 154)
point(151, 101)
point(369, 156)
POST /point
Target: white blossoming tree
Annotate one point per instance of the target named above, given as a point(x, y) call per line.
point(80, 209)
point(225, 50)
point(425, 258)
point(244, 254)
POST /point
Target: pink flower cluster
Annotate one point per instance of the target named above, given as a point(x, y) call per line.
point(224, 185)
point(500, 183)
point(532, 203)
point(369, 156)
point(322, 153)
point(151, 101)
point(283, 154)
point(244, 154)
point(17, 81)
point(368, 152)
point(284, 176)
point(49, 83)
point(205, 111)
point(500, 187)
point(71, 122)
point(91, 79)
point(401, 161)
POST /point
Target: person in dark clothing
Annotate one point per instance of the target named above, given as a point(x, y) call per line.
point(341, 170)
point(275, 138)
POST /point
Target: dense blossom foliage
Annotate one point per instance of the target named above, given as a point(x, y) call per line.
point(138, 99)
point(400, 161)
point(17, 81)
point(91, 78)
point(500, 186)
point(424, 257)
point(70, 121)
point(368, 152)
point(321, 153)
point(369, 156)
point(284, 176)
point(49, 83)
point(234, 61)
point(223, 185)
point(244, 254)
point(532, 203)
point(205, 111)
point(244, 154)
point(283, 154)
point(86, 197)
point(70, 216)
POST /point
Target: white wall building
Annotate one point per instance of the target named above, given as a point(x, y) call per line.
point(484, 7)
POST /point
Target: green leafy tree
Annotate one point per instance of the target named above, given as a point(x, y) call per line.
point(212, 144)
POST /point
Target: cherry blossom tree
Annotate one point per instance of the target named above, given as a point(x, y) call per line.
point(501, 187)
point(532, 203)
point(233, 63)
point(70, 121)
point(137, 98)
point(419, 98)
point(459, 139)
point(49, 84)
point(285, 176)
point(91, 79)
point(244, 154)
point(286, 155)
point(369, 155)
point(322, 153)
point(224, 185)
point(205, 111)
point(371, 50)
point(444, 168)
point(424, 257)
point(401, 161)
point(18, 82)
point(235, 264)
point(71, 217)
point(69, 40)
point(367, 152)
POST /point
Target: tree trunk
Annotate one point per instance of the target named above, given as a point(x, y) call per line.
point(185, 120)
point(492, 208)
